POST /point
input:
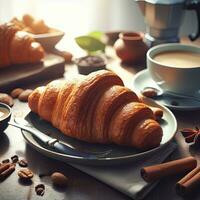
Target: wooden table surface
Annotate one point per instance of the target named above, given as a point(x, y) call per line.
point(81, 186)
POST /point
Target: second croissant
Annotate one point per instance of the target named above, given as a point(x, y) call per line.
point(18, 47)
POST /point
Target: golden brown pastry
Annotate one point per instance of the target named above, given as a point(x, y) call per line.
point(17, 47)
point(27, 20)
point(97, 108)
point(31, 25)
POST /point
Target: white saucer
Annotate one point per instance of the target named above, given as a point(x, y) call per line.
point(143, 79)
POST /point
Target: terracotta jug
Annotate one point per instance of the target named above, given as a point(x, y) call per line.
point(130, 47)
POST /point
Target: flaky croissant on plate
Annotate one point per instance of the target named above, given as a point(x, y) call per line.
point(98, 109)
point(18, 47)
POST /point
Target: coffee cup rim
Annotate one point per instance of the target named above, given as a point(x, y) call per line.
point(171, 47)
point(3, 105)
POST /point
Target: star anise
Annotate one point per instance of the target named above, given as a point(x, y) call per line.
point(191, 135)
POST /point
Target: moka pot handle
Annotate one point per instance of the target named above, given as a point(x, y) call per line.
point(194, 5)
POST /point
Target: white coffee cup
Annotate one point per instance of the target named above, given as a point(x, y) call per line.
point(184, 80)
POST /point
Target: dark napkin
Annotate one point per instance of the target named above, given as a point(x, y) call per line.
point(126, 178)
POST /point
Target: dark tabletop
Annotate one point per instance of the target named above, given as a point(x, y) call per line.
point(81, 186)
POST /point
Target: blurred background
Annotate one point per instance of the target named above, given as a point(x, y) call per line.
point(76, 17)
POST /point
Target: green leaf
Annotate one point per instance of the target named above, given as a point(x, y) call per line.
point(89, 43)
point(97, 34)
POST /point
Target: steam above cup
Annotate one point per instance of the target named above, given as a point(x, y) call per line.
point(175, 67)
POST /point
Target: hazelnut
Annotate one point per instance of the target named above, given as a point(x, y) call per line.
point(7, 99)
point(149, 93)
point(16, 92)
point(24, 95)
point(59, 179)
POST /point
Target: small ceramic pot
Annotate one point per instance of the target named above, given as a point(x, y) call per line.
point(130, 47)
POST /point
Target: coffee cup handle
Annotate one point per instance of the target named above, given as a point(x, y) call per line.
point(194, 5)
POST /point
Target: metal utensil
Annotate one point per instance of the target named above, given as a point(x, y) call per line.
point(58, 145)
point(160, 93)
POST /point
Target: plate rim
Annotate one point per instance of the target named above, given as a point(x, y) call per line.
point(73, 158)
point(179, 108)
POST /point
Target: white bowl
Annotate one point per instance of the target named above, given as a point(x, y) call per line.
point(48, 40)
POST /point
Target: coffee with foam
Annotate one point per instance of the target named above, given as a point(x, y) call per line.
point(180, 59)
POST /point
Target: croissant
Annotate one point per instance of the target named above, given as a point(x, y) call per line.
point(97, 108)
point(18, 47)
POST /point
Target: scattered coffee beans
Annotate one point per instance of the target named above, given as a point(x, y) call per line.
point(59, 179)
point(16, 92)
point(40, 189)
point(6, 161)
point(23, 163)
point(15, 158)
point(25, 174)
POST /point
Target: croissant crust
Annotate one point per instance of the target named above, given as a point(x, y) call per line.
point(18, 47)
point(97, 108)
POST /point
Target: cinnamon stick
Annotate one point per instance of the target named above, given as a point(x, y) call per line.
point(189, 182)
point(188, 131)
point(7, 172)
point(155, 172)
point(4, 167)
point(190, 138)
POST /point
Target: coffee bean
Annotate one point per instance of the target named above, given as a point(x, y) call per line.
point(7, 99)
point(6, 170)
point(15, 158)
point(6, 161)
point(40, 189)
point(24, 95)
point(23, 163)
point(16, 92)
point(59, 179)
point(25, 174)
